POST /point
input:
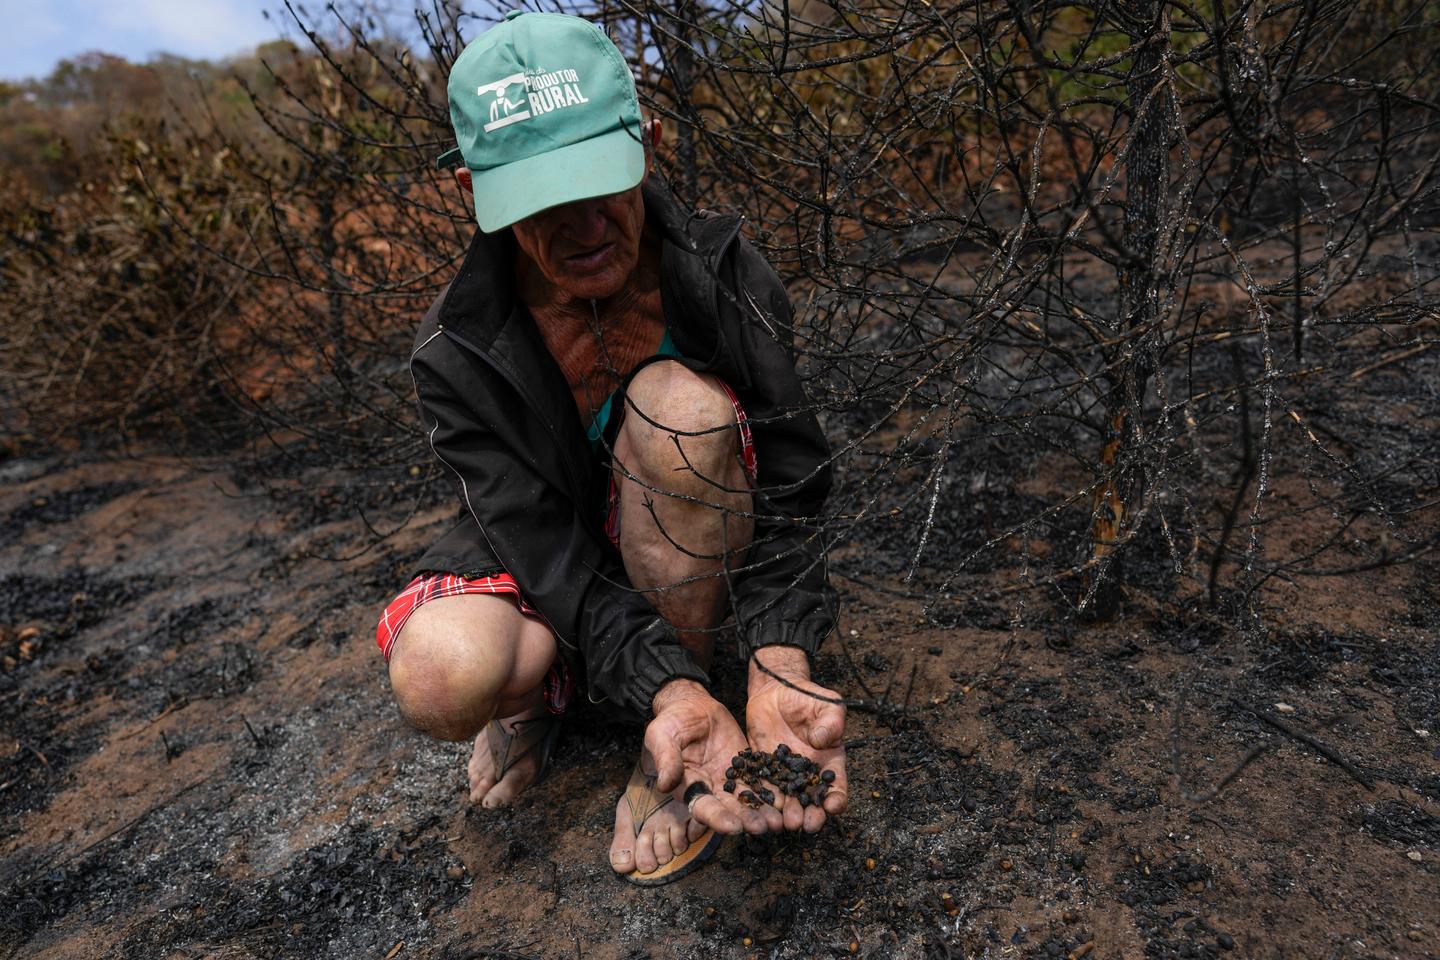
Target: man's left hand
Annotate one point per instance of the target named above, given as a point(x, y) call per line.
point(777, 713)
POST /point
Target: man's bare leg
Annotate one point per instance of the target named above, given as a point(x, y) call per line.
point(462, 661)
point(679, 545)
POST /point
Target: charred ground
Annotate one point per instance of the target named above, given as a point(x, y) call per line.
point(200, 756)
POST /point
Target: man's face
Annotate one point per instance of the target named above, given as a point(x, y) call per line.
point(587, 248)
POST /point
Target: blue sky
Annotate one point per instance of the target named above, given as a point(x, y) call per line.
point(37, 34)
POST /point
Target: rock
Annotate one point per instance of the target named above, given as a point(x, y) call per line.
point(1415, 856)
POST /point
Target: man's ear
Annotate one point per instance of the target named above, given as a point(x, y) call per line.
point(462, 177)
point(650, 132)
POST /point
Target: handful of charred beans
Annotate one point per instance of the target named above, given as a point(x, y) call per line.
point(793, 774)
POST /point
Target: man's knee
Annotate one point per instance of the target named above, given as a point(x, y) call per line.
point(680, 422)
point(450, 669)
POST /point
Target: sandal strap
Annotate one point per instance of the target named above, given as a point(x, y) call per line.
point(524, 735)
point(642, 796)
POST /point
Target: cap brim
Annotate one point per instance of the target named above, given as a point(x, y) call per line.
point(610, 163)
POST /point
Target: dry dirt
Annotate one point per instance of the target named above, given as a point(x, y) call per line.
point(199, 758)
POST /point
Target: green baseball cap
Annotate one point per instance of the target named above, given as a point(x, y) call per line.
point(545, 113)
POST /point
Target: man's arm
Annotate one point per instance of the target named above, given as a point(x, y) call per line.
point(784, 597)
point(784, 601)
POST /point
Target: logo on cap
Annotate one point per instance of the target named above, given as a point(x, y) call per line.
point(504, 111)
point(537, 92)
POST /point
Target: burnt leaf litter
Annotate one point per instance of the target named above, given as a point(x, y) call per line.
point(1019, 800)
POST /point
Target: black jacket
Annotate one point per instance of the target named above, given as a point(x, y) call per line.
point(499, 414)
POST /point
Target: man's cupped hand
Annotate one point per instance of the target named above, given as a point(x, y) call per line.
point(803, 715)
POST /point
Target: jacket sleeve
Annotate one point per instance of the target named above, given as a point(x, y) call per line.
point(537, 533)
point(785, 596)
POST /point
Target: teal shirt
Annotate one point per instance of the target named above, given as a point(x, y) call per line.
point(596, 432)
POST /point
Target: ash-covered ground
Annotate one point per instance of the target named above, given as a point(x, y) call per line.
point(199, 756)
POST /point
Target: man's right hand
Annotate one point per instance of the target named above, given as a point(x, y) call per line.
point(693, 739)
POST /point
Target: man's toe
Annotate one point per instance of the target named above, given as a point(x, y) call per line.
point(508, 788)
point(664, 853)
point(679, 837)
point(622, 847)
point(622, 856)
point(645, 860)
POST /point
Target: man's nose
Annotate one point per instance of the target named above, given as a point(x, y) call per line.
point(585, 223)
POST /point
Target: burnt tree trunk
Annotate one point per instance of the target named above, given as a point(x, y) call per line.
point(1146, 174)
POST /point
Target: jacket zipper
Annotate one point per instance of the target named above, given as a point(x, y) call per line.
point(529, 399)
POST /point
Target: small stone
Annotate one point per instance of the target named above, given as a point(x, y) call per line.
point(1284, 708)
point(1224, 941)
point(456, 873)
point(1415, 856)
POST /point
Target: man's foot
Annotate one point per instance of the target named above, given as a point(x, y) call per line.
point(524, 767)
point(664, 834)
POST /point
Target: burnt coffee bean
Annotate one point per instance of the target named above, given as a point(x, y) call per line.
point(805, 800)
point(730, 786)
point(782, 750)
point(1224, 941)
point(828, 776)
point(731, 774)
point(768, 796)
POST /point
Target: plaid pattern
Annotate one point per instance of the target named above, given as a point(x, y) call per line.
point(559, 683)
point(747, 460)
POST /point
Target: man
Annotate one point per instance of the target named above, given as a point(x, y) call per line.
point(610, 381)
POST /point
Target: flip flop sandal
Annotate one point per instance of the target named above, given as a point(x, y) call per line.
point(525, 735)
point(645, 801)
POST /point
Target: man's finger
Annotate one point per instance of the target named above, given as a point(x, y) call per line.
point(669, 767)
point(774, 820)
point(837, 798)
point(716, 814)
point(828, 727)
